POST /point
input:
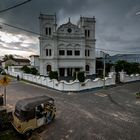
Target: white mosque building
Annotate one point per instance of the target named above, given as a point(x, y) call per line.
point(67, 48)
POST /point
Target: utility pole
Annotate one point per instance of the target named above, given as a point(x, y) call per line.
point(104, 67)
point(5, 95)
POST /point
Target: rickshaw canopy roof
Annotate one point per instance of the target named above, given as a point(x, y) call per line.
point(30, 103)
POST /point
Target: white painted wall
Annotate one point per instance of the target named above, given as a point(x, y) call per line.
point(63, 85)
point(34, 61)
point(124, 78)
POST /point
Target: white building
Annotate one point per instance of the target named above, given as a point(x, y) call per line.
point(16, 62)
point(34, 61)
point(67, 48)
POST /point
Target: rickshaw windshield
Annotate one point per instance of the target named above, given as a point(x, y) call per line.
point(24, 115)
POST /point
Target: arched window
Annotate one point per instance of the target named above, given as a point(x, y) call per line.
point(87, 68)
point(48, 52)
point(49, 68)
point(48, 31)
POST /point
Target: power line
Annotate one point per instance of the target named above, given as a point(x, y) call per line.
point(113, 50)
point(63, 40)
point(117, 51)
point(20, 28)
point(12, 7)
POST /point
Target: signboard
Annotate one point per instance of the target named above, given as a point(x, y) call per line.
point(4, 81)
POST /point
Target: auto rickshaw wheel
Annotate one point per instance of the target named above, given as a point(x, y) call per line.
point(53, 117)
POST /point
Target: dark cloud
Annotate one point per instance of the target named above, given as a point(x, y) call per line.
point(117, 25)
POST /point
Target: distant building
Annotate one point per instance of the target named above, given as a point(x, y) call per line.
point(34, 61)
point(16, 62)
point(126, 57)
point(67, 48)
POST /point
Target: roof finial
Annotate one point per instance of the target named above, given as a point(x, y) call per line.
point(69, 19)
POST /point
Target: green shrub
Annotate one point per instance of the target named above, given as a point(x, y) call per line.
point(53, 75)
point(129, 68)
point(34, 71)
point(81, 76)
point(26, 69)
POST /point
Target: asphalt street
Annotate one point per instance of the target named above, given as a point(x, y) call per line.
point(106, 114)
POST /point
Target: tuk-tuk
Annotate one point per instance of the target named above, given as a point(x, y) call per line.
point(31, 113)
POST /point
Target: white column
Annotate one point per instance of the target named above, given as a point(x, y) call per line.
point(65, 72)
point(58, 72)
point(122, 76)
point(72, 70)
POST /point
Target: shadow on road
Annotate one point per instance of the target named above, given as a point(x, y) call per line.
point(114, 102)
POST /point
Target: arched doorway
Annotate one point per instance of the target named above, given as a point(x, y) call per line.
point(87, 68)
point(49, 68)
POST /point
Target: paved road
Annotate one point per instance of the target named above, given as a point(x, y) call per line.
point(111, 114)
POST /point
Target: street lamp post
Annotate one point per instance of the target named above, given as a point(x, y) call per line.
point(5, 95)
point(104, 67)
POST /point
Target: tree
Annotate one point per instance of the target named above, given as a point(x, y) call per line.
point(134, 68)
point(7, 57)
point(129, 68)
point(10, 56)
point(34, 71)
point(53, 75)
point(26, 69)
point(81, 76)
point(121, 65)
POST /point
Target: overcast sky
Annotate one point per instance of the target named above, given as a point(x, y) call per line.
point(117, 25)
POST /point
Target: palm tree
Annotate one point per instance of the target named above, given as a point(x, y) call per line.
point(6, 57)
point(10, 56)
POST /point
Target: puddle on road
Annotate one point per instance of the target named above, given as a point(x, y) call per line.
point(101, 94)
point(123, 116)
point(137, 102)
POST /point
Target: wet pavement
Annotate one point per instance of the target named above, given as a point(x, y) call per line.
point(110, 114)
